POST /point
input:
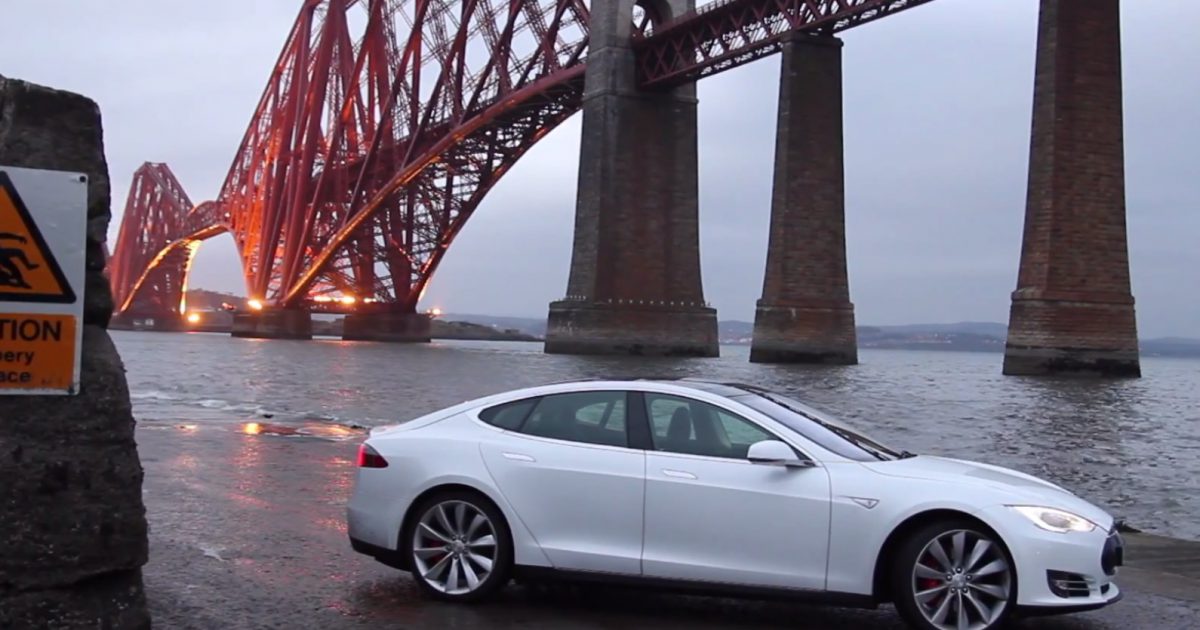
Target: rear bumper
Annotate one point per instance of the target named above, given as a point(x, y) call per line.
point(390, 557)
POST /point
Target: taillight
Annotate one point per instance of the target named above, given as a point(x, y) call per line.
point(370, 458)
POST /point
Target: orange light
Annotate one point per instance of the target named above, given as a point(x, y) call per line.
point(255, 305)
point(193, 318)
point(252, 428)
point(436, 312)
point(349, 299)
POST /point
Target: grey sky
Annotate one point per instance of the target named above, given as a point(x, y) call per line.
point(937, 125)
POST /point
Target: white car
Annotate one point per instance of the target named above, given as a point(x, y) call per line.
point(724, 488)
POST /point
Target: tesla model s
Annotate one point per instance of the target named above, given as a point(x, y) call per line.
point(722, 488)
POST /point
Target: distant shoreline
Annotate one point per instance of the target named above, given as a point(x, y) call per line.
point(953, 337)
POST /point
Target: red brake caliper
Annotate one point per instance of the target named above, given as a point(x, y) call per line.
point(928, 583)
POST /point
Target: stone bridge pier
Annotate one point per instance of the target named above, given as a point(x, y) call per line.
point(273, 323)
point(805, 314)
point(1073, 309)
point(387, 325)
point(634, 284)
point(161, 321)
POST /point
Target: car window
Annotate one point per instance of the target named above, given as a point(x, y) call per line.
point(589, 417)
point(683, 425)
point(509, 415)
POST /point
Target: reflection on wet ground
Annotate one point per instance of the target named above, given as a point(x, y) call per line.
point(248, 531)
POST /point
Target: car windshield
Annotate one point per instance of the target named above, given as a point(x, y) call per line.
point(820, 427)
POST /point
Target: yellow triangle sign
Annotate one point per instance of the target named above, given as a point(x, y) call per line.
point(28, 270)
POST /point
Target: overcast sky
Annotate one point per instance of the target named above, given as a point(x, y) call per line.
point(937, 126)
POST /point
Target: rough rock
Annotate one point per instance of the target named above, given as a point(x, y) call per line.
point(72, 522)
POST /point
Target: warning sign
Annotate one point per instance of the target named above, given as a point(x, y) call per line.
point(37, 351)
point(28, 270)
point(43, 223)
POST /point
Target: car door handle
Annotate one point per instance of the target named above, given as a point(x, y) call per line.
point(678, 474)
point(518, 457)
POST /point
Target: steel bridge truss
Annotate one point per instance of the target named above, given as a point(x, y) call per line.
point(383, 125)
point(728, 33)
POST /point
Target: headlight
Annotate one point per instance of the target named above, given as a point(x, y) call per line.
point(1054, 520)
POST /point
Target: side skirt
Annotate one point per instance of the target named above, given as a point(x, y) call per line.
point(719, 589)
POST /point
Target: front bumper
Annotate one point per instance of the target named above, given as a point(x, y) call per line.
point(1060, 573)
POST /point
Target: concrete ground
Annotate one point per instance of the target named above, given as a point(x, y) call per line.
point(247, 531)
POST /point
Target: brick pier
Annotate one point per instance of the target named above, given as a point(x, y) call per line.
point(805, 314)
point(1073, 308)
point(634, 284)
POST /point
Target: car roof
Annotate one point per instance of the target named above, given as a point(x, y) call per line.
point(668, 384)
point(718, 388)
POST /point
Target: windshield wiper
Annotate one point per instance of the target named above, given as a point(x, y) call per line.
point(859, 442)
point(907, 454)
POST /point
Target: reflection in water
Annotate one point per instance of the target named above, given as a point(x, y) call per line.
point(1132, 446)
point(1072, 431)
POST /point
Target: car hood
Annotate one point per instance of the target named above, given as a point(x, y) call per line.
point(1017, 487)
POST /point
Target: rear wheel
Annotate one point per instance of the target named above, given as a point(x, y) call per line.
point(954, 575)
point(460, 547)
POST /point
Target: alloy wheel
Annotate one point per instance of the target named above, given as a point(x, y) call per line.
point(962, 581)
point(454, 547)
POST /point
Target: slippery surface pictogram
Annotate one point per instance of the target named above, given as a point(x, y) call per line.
point(28, 269)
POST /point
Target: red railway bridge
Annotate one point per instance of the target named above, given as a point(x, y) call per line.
point(385, 123)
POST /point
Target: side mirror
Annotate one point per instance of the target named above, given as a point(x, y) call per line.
point(776, 453)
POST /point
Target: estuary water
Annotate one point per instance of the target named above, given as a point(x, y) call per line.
point(1131, 446)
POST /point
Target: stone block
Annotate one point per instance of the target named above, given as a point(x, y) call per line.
point(387, 326)
point(71, 512)
point(273, 324)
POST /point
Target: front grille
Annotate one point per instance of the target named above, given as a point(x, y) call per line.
point(1113, 555)
point(1066, 584)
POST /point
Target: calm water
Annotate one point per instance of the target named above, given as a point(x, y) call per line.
point(1132, 446)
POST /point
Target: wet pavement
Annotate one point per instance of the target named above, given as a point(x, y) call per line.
point(247, 531)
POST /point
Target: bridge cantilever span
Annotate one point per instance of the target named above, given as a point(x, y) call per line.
point(155, 246)
point(367, 154)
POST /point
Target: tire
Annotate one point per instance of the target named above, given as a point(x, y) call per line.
point(453, 554)
point(940, 572)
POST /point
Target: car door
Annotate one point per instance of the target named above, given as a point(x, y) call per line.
point(568, 471)
point(713, 516)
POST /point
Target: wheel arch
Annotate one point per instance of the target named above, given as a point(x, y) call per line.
point(880, 587)
point(410, 512)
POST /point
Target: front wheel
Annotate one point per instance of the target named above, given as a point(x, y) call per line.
point(460, 547)
point(953, 575)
